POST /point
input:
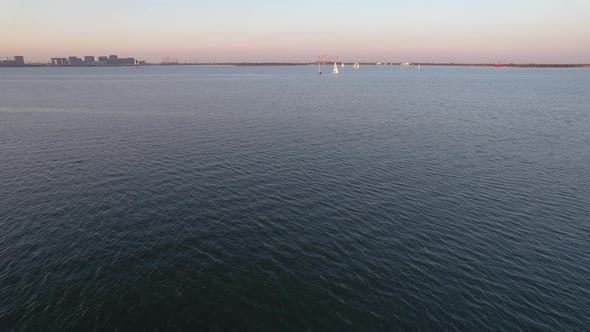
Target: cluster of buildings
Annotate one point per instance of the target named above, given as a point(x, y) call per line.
point(16, 61)
point(90, 60)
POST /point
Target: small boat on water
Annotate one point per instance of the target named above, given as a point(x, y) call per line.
point(335, 71)
point(356, 65)
point(343, 64)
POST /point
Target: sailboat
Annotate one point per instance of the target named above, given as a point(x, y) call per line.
point(343, 64)
point(319, 68)
point(356, 65)
point(335, 71)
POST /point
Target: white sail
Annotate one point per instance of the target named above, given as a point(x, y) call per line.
point(356, 65)
point(343, 64)
point(335, 71)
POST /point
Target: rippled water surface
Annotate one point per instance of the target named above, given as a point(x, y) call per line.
point(269, 198)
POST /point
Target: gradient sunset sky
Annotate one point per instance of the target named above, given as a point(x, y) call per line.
point(548, 31)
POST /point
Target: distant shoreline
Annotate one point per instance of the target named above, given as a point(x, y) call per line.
point(508, 65)
point(264, 64)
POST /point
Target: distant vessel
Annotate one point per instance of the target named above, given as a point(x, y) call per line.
point(319, 68)
point(335, 71)
point(418, 66)
point(356, 65)
point(343, 64)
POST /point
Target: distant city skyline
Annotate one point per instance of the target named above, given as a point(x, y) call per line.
point(544, 31)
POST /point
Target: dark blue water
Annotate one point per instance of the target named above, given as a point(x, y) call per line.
point(268, 198)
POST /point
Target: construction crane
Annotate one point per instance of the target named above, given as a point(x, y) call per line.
point(325, 59)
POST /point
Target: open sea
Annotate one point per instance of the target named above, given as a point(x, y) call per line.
point(272, 198)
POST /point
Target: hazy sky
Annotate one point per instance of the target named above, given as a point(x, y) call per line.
point(264, 30)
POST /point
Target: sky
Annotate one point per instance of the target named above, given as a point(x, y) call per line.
point(470, 31)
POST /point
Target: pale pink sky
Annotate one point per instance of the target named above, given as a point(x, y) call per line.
point(261, 30)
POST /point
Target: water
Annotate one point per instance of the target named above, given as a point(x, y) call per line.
point(269, 198)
